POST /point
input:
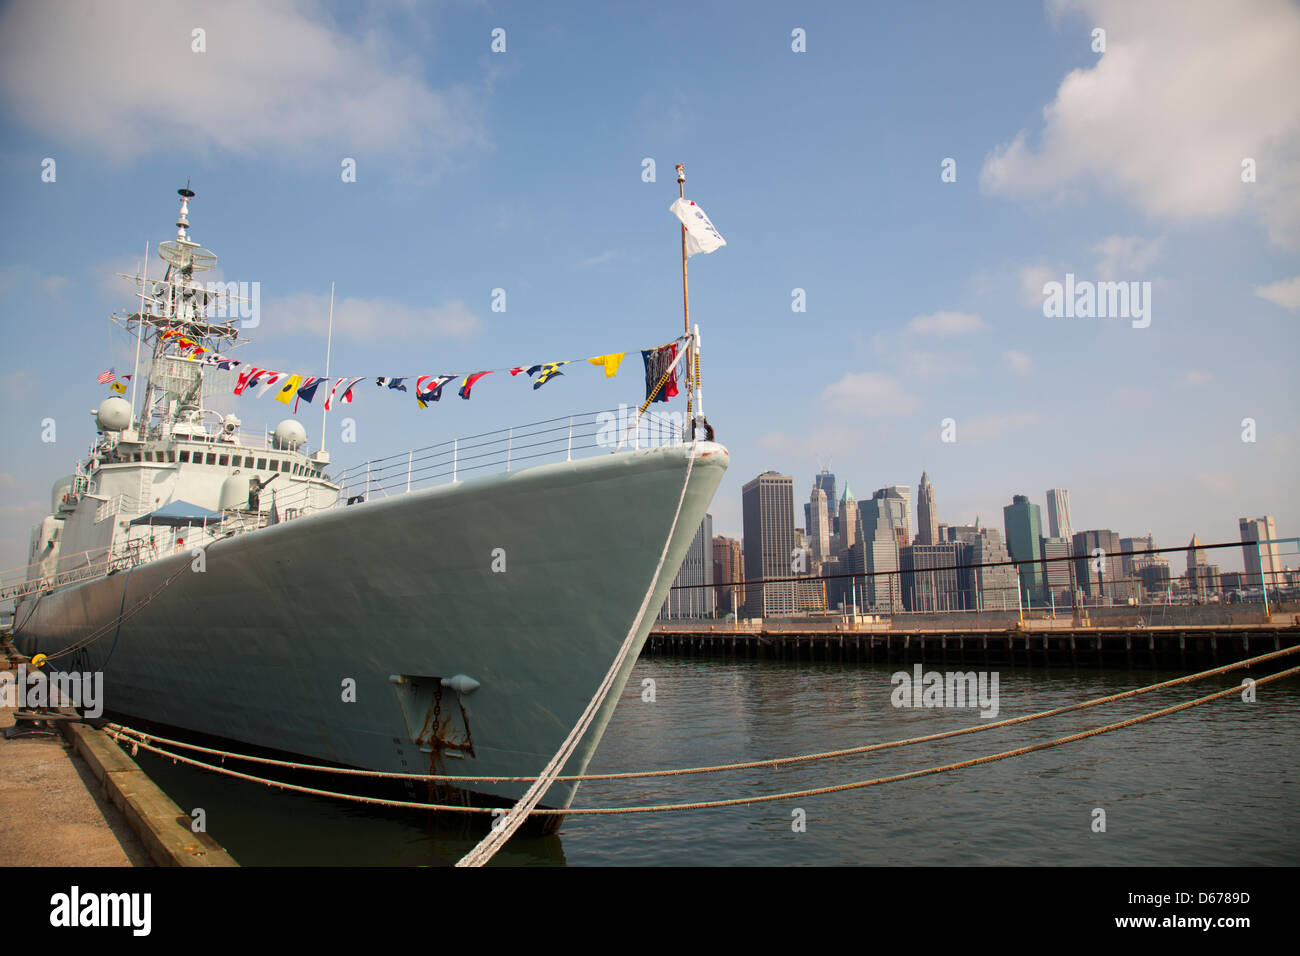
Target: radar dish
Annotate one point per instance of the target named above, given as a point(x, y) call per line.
point(187, 255)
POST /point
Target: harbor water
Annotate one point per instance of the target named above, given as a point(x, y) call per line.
point(1218, 784)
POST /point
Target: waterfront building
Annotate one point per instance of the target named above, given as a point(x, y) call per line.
point(767, 507)
point(1263, 561)
point(1024, 528)
point(819, 530)
point(1097, 579)
point(692, 593)
point(927, 519)
point(1058, 514)
point(929, 577)
point(728, 569)
point(1057, 574)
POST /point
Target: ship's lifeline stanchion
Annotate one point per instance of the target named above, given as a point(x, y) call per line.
point(738, 801)
point(136, 739)
point(507, 825)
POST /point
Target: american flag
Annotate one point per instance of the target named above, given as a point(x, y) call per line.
point(106, 377)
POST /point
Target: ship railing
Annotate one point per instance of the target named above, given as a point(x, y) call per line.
point(508, 449)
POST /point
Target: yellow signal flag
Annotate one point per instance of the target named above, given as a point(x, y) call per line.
point(118, 387)
point(288, 390)
point(610, 361)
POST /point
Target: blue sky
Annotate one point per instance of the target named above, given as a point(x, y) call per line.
point(522, 170)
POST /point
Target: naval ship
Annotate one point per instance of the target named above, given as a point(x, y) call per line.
point(440, 611)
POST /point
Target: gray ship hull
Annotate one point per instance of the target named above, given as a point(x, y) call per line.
point(527, 583)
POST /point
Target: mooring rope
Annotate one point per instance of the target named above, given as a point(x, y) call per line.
point(507, 825)
point(718, 768)
point(736, 801)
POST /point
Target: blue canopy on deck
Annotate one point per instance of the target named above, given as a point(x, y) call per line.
point(178, 514)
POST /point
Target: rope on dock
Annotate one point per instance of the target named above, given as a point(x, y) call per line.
point(130, 733)
point(736, 801)
point(507, 825)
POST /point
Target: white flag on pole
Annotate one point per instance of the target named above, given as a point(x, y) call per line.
point(700, 234)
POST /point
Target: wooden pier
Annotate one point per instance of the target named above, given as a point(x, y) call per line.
point(1116, 646)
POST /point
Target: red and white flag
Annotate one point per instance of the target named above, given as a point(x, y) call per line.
point(342, 390)
point(105, 377)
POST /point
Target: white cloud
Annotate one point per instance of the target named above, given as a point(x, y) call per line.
point(1123, 257)
point(1285, 293)
point(365, 319)
point(1018, 362)
point(869, 394)
point(283, 79)
point(991, 426)
point(1164, 119)
point(944, 324)
point(605, 256)
point(1198, 376)
point(1032, 280)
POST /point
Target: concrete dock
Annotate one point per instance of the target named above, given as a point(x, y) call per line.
point(76, 798)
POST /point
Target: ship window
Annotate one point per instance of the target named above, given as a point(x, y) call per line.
point(261, 464)
point(171, 457)
point(185, 457)
point(212, 458)
point(223, 460)
point(137, 456)
point(284, 466)
point(248, 462)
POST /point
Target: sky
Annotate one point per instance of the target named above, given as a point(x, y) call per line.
point(914, 174)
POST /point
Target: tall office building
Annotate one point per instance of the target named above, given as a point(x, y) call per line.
point(927, 520)
point(728, 568)
point(1024, 527)
point(989, 588)
point(692, 593)
point(1194, 557)
point(1058, 514)
point(767, 507)
point(1097, 578)
point(1263, 561)
point(826, 482)
point(848, 519)
point(894, 502)
point(903, 494)
point(929, 577)
point(1136, 546)
point(875, 555)
point(819, 528)
point(1058, 570)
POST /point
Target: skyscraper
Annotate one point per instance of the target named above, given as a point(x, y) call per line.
point(767, 506)
point(819, 529)
point(927, 519)
point(1263, 561)
point(1097, 575)
point(1058, 514)
point(848, 519)
point(728, 568)
point(1024, 527)
point(692, 593)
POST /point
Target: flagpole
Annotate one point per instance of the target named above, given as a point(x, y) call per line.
point(686, 299)
point(329, 340)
